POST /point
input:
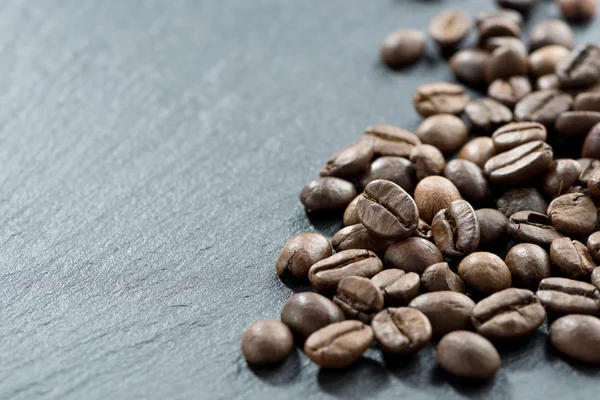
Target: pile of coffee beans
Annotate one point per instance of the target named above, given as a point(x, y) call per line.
point(466, 242)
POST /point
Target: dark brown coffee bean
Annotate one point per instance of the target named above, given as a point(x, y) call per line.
point(573, 214)
point(492, 226)
point(589, 166)
point(547, 82)
point(519, 165)
point(485, 273)
point(359, 298)
point(487, 114)
point(571, 258)
point(401, 331)
point(469, 65)
point(423, 230)
point(505, 62)
point(543, 106)
point(587, 101)
point(447, 311)
point(560, 176)
point(300, 253)
point(478, 151)
point(548, 32)
point(440, 98)
point(593, 246)
point(591, 145)
point(387, 211)
point(305, 313)
point(327, 274)
point(543, 61)
point(412, 255)
point(350, 161)
point(522, 6)
point(444, 131)
point(595, 277)
point(267, 342)
point(496, 42)
point(528, 264)
point(470, 181)
point(521, 199)
point(326, 194)
point(449, 28)
point(498, 27)
point(468, 355)
point(456, 230)
point(395, 169)
point(517, 133)
point(339, 345)
point(439, 277)
point(563, 296)
point(578, 10)
point(433, 194)
point(509, 91)
point(359, 237)
point(532, 227)
point(350, 216)
point(398, 287)
point(389, 140)
point(511, 15)
point(427, 161)
point(581, 69)
point(577, 123)
point(402, 47)
point(578, 337)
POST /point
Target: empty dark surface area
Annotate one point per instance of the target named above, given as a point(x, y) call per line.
point(152, 153)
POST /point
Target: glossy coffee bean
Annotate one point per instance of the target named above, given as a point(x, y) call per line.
point(440, 98)
point(478, 151)
point(427, 160)
point(573, 214)
point(549, 32)
point(571, 258)
point(522, 6)
point(433, 194)
point(560, 176)
point(267, 342)
point(439, 277)
point(543, 61)
point(468, 355)
point(487, 114)
point(300, 253)
point(587, 101)
point(578, 10)
point(456, 229)
point(519, 165)
point(401, 331)
point(398, 287)
point(339, 345)
point(505, 62)
point(395, 169)
point(591, 145)
point(359, 237)
point(327, 274)
point(593, 246)
point(492, 226)
point(387, 211)
point(389, 140)
point(581, 69)
point(593, 183)
point(498, 27)
point(469, 65)
point(485, 273)
point(511, 15)
point(470, 181)
point(563, 296)
point(402, 47)
point(327, 194)
point(350, 161)
point(543, 106)
point(547, 82)
point(509, 91)
point(423, 230)
point(305, 313)
point(359, 298)
point(350, 216)
point(578, 337)
point(447, 311)
point(589, 167)
point(449, 28)
point(412, 255)
point(521, 199)
point(444, 131)
point(532, 227)
point(528, 264)
point(577, 123)
point(515, 134)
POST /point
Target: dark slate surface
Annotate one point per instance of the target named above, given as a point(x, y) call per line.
point(152, 153)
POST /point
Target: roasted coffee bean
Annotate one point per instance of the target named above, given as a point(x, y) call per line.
point(509, 314)
point(573, 214)
point(456, 230)
point(469, 65)
point(398, 287)
point(560, 176)
point(595, 277)
point(589, 166)
point(522, 6)
point(543, 61)
point(440, 98)
point(543, 106)
point(519, 165)
point(327, 194)
point(578, 10)
point(498, 27)
point(571, 258)
point(547, 82)
point(496, 42)
point(593, 246)
point(581, 69)
point(427, 161)
point(339, 345)
point(359, 237)
point(470, 181)
point(578, 337)
point(528, 264)
point(593, 183)
point(468, 355)
point(350, 216)
point(577, 123)
point(478, 151)
point(521, 199)
point(591, 145)
point(515, 134)
point(487, 114)
point(412, 255)
point(532, 227)
point(548, 32)
point(439, 277)
point(359, 298)
point(509, 91)
point(305, 313)
point(401, 331)
point(423, 230)
point(563, 296)
point(300, 253)
point(444, 131)
point(327, 274)
point(505, 62)
point(402, 47)
point(447, 311)
point(433, 194)
point(449, 28)
point(492, 226)
point(485, 273)
point(587, 101)
point(395, 169)
point(387, 211)
point(267, 342)
point(511, 15)
point(350, 161)
point(389, 140)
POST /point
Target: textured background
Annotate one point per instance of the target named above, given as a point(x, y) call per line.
point(151, 155)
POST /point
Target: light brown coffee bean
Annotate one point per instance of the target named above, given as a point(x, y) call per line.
point(305, 313)
point(300, 253)
point(427, 161)
point(412, 255)
point(484, 272)
point(478, 151)
point(544, 60)
point(511, 15)
point(577, 336)
point(401, 331)
point(267, 342)
point(468, 355)
point(327, 274)
point(447, 311)
point(469, 65)
point(577, 10)
point(449, 28)
point(547, 82)
point(439, 277)
point(445, 131)
point(505, 62)
point(359, 298)
point(433, 194)
point(549, 32)
point(563, 296)
point(402, 47)
point(398, 287)
point(389, 140)
point(350, 216)
point(440, 98)
point(528, 264)
point(571, 258)
point(498, 27)
point(515, 134)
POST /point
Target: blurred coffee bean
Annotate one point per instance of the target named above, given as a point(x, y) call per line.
point(581, 69)
point(547, 82)
point(578, 10)
point(543, 106)
point(591, 145)
point(487, 114)
point(505, 62)
point(544, 60)
point(548, 32)
point(577, 123)
point(469, 65)
point(587, 101)
point(478, 151)
point(449, 28)
point(509, 91)
point(440, 98)
point(403, 47)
